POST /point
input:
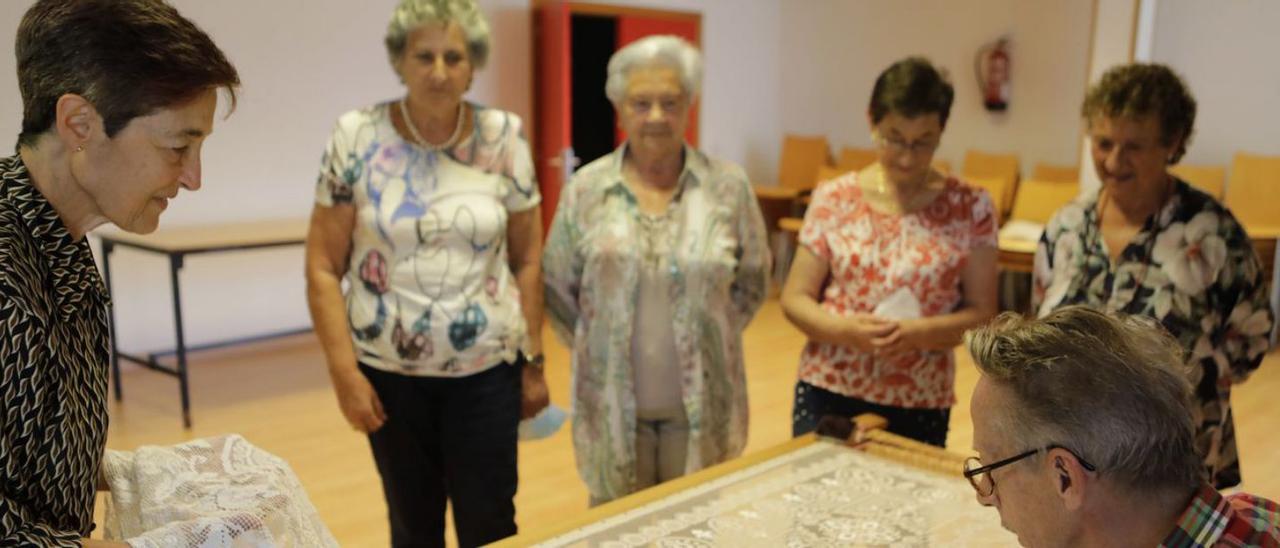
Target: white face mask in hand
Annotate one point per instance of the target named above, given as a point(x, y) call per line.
point(899, 305)
point(544, 424)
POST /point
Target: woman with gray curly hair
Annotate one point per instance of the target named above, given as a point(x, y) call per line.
point(427, 206)
point(1148, 243)
point(655, 263)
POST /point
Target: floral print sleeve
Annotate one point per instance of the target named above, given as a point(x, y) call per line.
point(1243, 291)
point(562, 266)
point(751, 279)
point(816, 219)
point(984, 221)
point(340, 169)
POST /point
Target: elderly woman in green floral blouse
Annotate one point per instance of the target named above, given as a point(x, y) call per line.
point(1148, 243)
point(655, 263)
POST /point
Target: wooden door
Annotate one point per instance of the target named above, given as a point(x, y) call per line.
point(636, 24)
point(552, 149)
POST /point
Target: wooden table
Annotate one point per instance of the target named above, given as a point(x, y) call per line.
point(177, 244)
point(1015, 255)
point(808, 491)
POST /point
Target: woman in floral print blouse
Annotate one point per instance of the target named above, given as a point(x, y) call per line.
point(1148, 243)
point(896, 262)
point(655, 263)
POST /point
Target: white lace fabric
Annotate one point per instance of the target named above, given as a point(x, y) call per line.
point(211, 492)
point(822, 495)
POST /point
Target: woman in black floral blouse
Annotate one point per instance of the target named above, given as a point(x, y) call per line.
point(1148, 243)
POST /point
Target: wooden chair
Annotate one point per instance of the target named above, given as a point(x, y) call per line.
point(802, 157)
point(1211, 179)
point(827, 173)
point(1252, 191)
point(798, 167)
point(854, 159)
point(1055, 173)
point(984, 165)
point(995, 186)
point(1037, 200)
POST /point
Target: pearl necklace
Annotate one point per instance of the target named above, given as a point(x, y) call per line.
point(417, 137)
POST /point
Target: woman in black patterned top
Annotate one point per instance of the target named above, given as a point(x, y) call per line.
point(118, 96)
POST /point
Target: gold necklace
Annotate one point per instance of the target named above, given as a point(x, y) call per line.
point(895, 205)
point(417, 137)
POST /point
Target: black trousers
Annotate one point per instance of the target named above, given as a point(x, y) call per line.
point(448, 439)
point(811, 403)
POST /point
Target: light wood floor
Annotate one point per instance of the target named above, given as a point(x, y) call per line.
point(277, 395)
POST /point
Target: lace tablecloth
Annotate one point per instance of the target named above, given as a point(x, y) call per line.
point(821, 495)
point(212, 492)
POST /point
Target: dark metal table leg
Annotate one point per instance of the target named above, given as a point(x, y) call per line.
point(107, 248)
point(175, 264)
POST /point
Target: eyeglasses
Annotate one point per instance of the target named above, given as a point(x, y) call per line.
point(668, 104)
point(898, 146)
point(979, 476)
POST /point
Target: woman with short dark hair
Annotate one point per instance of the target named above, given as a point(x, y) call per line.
point(1148, 243)
point(895, 262)
point(118, 97)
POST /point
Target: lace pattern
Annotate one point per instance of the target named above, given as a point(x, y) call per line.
point(821, 495)
point(211, 492)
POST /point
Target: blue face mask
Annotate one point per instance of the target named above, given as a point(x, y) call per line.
point(544, 424)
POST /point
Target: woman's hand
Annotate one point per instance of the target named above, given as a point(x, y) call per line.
point(534, 396)
point(359, 402)
point(909, 335)
point(861, 331)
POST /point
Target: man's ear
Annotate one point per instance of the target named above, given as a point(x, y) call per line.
point(1069, 478)
point(75, 120)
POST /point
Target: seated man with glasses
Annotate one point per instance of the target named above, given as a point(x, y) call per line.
point(1083, 424)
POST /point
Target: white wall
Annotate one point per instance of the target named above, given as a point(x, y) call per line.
point(832, 51)
point(1226, 51)
point(304, 62)
point(1114, 43)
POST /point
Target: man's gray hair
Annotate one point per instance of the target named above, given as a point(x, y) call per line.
point(664, 51)
point(411, 14)
point(1113, 390)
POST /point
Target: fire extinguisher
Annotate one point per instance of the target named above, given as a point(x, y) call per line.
point(992, 68)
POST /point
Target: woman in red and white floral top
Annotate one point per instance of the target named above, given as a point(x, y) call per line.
point(896, 262)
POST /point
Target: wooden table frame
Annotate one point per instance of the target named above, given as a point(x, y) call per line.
point(176, 245)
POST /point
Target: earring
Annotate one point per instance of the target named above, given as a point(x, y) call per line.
point(79, 148)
